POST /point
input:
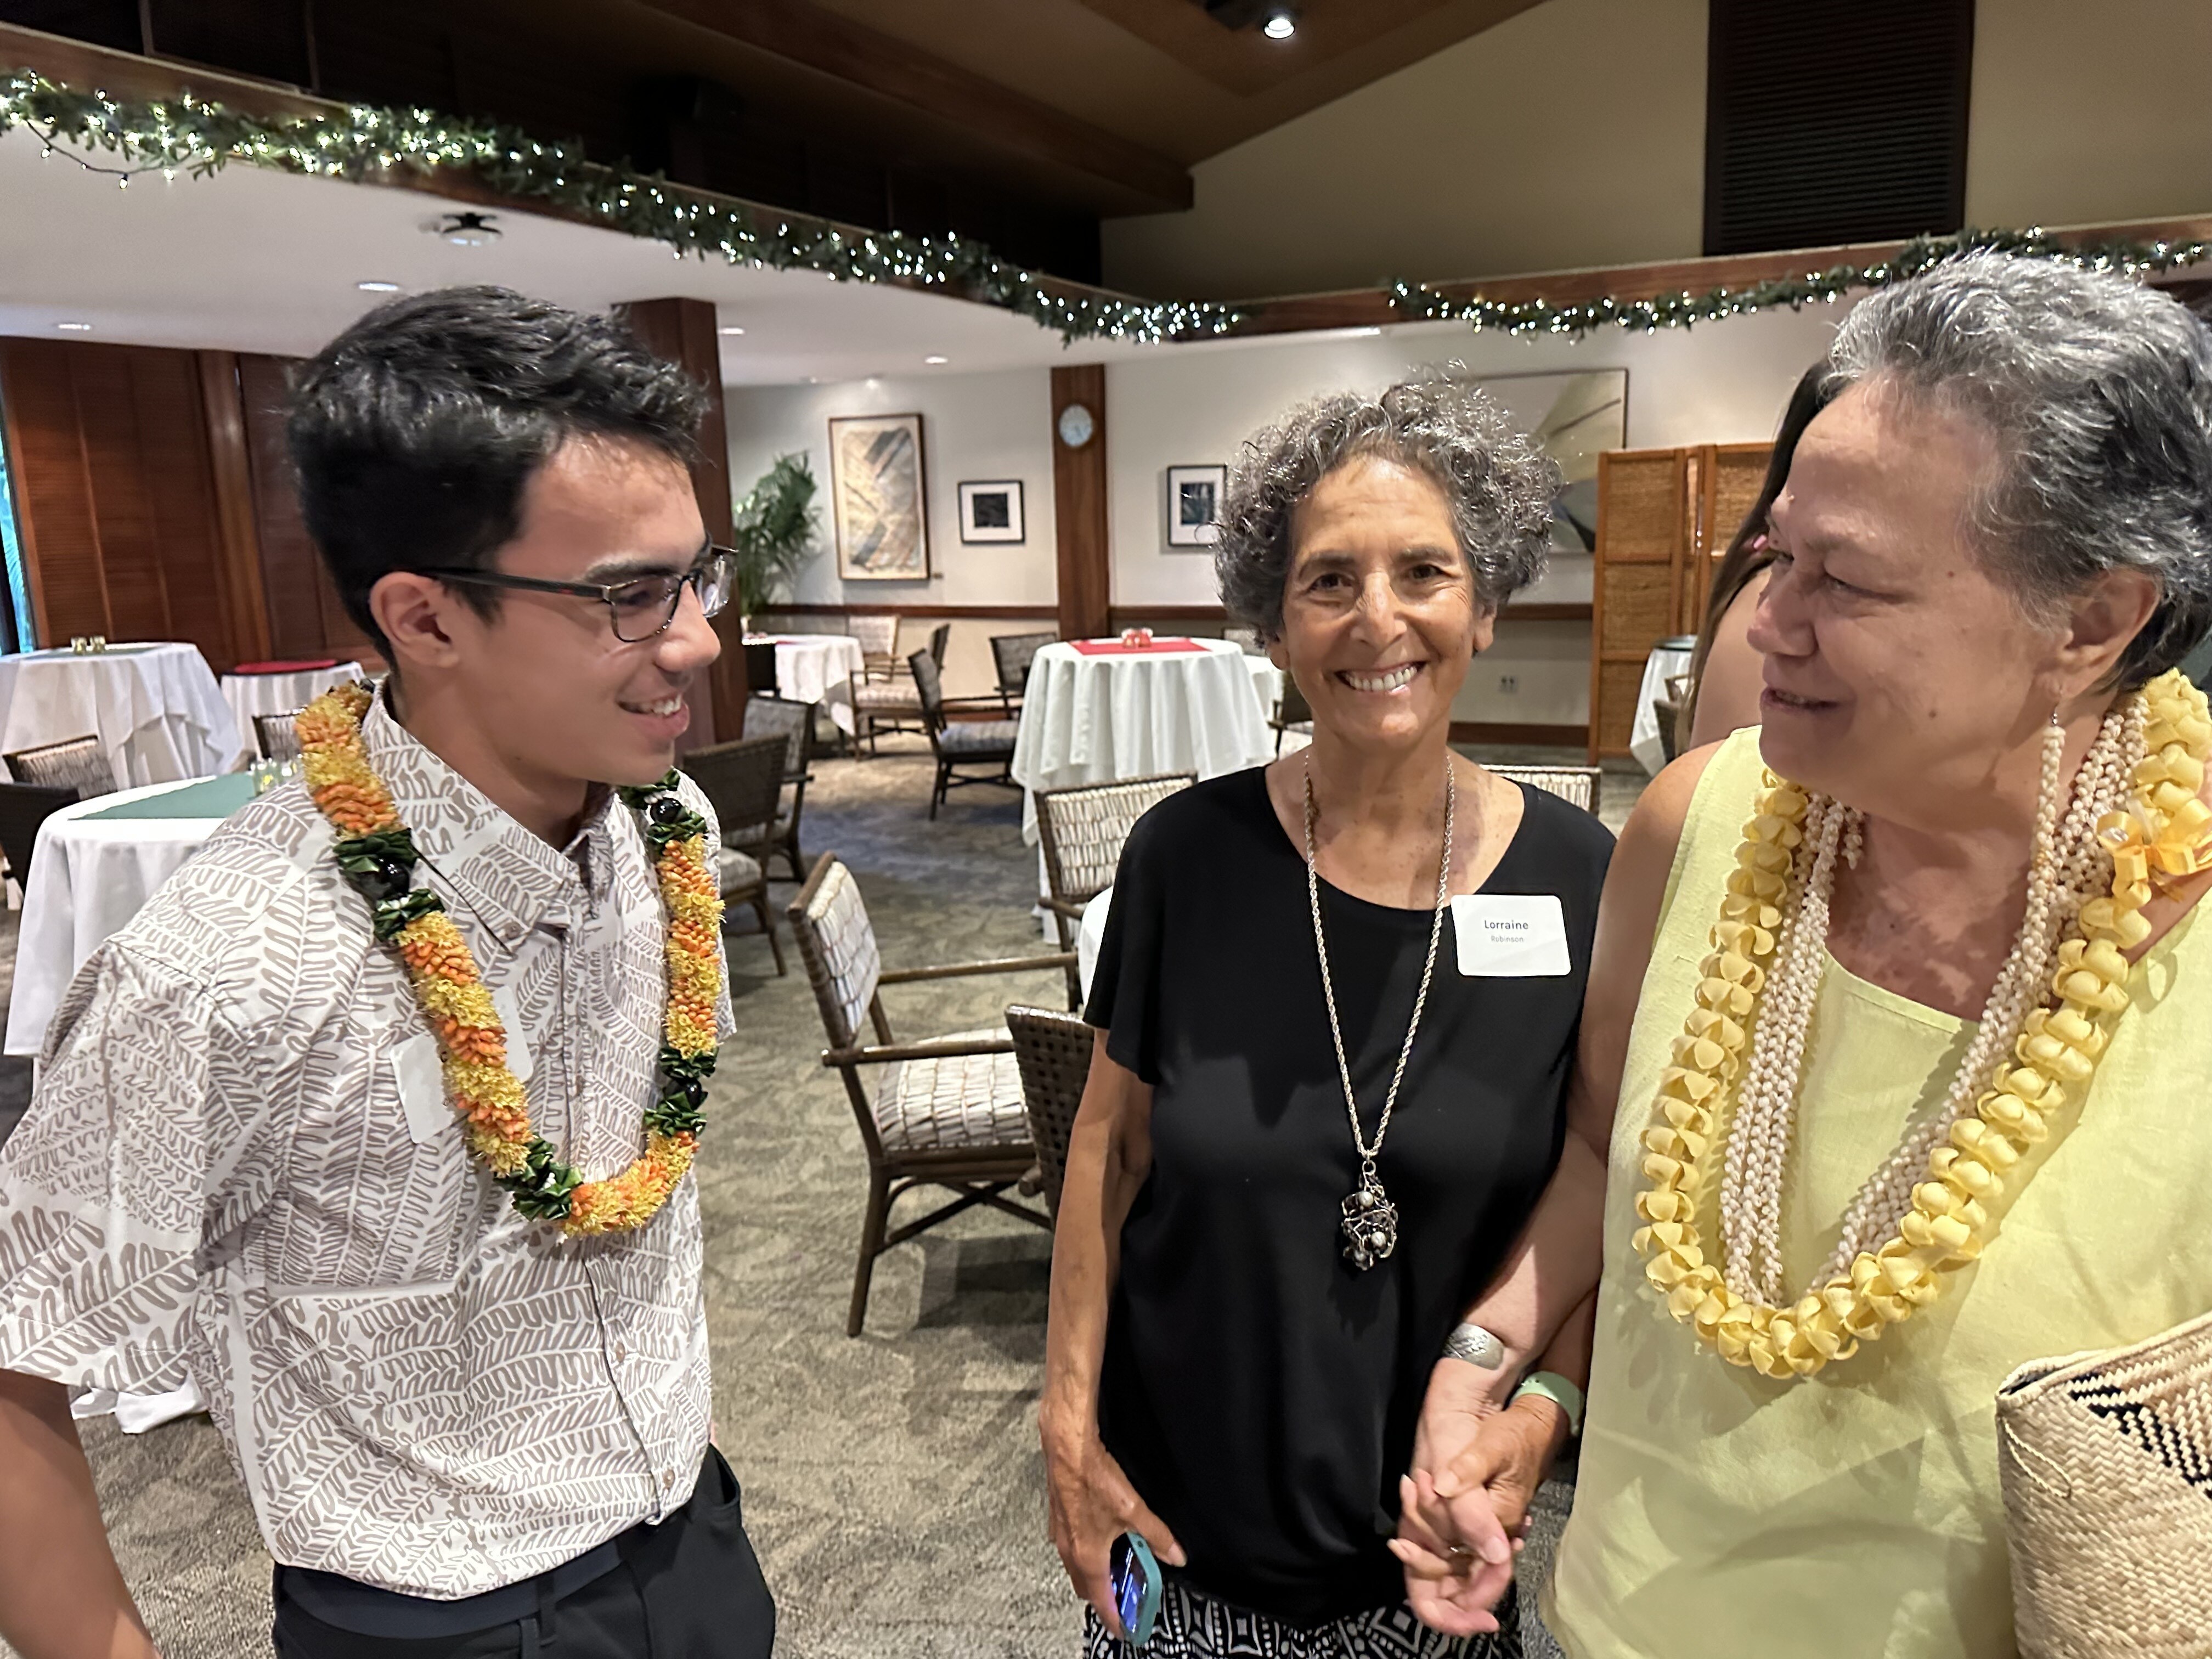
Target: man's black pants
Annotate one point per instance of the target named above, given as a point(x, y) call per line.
point(688, 1588)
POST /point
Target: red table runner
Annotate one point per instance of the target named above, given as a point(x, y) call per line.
point(1115, 649)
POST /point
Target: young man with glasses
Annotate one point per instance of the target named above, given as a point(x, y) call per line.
point(382, 1146)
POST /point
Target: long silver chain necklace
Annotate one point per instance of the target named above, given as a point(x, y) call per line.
point(1370, 1219)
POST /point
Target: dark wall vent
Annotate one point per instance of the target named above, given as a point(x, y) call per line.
point(1829, 122)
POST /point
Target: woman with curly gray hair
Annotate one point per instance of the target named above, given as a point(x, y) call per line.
point(1336, 1008)
point(1901, 996)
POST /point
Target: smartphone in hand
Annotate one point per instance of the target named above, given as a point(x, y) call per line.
point(1136, 1578)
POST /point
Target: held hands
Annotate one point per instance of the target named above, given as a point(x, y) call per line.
point(1464, 1508)
point(1093, 1503)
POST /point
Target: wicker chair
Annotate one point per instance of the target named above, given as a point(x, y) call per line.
point(279, 737)
point(878, 638)
point(792, 721)
point(1012, 654)
point(1053, 1050)
point(892, 704)
point(1081, 831)
point(1576, 784)
point(960, 743)
point(79, 764)
point(944, 1113)
point(23, 808)
point(745, 782)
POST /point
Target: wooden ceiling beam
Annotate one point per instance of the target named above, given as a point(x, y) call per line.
point(829, 45)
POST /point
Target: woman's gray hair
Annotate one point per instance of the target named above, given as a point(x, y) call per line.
point(2099, 392)
point(1497, 483)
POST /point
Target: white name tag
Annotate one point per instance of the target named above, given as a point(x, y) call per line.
point(422, 1088)
point(1510, 935)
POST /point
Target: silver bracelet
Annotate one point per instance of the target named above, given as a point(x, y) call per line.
point(1475, 1346)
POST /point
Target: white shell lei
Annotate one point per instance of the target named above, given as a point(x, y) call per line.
point(1776, 899)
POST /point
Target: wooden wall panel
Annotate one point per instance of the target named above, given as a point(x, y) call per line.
point(1080, 511)
point(117, 494)
point(232, 475)
point(305, 617)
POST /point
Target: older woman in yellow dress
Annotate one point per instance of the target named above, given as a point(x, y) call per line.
point(1901, 999)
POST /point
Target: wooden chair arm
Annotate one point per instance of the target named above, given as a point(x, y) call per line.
point(877, 1054)
point(996, 965)
point(1072, 908)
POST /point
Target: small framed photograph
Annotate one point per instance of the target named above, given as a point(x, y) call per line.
point(1194, 495)
point(992, 512)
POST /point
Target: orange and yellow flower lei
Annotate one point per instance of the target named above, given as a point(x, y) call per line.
point(374, 850)
point(2168, 832)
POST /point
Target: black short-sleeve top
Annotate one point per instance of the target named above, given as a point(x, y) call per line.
point(1262, 1393)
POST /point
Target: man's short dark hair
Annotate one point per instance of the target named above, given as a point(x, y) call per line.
point(415, 432)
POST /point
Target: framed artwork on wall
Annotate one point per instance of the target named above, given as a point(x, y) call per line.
point(1576, 417)
point(876, 498)
point(992, 512)
point(1194, 495)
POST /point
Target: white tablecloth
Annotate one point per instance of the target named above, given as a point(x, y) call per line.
point(155, 708)
point(816, 668)
point(88, 879)
point(1093, 719)
point(1090, 934)
point(1643, 740)
point(249, 695)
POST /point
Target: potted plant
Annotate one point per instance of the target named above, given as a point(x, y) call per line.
point(775, 526)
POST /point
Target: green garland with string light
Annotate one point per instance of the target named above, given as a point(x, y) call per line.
point(195, 136)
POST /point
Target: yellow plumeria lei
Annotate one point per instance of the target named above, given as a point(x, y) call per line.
point(378, 857)
point(2168, 832)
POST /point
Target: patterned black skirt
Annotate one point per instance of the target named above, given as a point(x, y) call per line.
point(1192, 1625)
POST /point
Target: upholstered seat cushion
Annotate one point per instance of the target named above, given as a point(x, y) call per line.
point(967, 1101)
point(978, 738)
point(738, 870)
point(882, 694)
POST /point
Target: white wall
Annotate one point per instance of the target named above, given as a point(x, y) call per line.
point(1723, 383)
point(1573, 135)
point(974, 427)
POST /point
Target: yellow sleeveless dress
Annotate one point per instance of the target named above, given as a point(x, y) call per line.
point(1719, 1514)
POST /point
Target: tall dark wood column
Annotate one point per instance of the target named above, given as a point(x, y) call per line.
point(682, 331)
point(1078, 504)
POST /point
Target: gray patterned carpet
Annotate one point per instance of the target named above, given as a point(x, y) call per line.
point(892, 1483)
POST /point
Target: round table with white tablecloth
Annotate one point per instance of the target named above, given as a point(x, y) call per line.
point(816, 668)
point(154, 707)
point(92, 867)
point(278, 687)
point(1668, 658)
point(1095, 711)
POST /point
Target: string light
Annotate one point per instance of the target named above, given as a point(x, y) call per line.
point(191, 135)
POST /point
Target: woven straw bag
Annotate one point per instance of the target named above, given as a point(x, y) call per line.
point(2105, 1460)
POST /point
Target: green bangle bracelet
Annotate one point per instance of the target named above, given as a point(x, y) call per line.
point(1560, 1392)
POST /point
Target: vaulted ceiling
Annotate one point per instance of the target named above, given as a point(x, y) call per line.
point(1024, 122)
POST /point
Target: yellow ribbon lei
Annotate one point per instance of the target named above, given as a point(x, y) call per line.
point(2168, 833)
point(480, 1086)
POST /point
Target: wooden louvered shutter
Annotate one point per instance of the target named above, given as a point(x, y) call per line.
point(306, 618)
point(1830, 121)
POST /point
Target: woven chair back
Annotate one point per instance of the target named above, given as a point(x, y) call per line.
point(1576, 784)
point(23, 808)
point(878, 638)
point(1012, 654)
point(1054, 1051)
point(929, 689)
point(1082, 829)
point(780, 717)
point(279, 737)
point(838, 944)
point(744, 779)
point(78, 763)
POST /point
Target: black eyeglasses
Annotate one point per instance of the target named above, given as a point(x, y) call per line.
point(641, 608)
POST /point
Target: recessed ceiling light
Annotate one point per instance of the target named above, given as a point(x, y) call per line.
point(1279, 26)
point(73, 328)
point(378, 287)
point(874, 381)
point(933, 359)
point(733, 329)
point(1362, 333)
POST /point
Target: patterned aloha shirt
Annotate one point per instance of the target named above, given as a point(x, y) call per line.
point(239, 1167)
